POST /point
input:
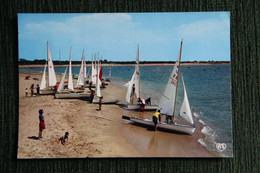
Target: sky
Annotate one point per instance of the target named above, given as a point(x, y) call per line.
point(116, 36)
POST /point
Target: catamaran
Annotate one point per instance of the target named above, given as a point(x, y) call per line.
point(51, 74)
point(71, 93)
point(167, 104)
point(134, 84)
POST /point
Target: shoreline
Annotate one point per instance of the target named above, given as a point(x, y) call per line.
point(95, 133)
point(149, 64)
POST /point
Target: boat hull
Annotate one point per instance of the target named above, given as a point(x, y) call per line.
point(71, 96)
point(174, 127)
point(47, 92)
point(105, 101)
point(137, 107)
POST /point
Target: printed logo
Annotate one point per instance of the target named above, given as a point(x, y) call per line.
point(221, 146)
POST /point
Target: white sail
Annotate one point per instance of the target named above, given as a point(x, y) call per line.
point(85, 70)
point(168, 100)
point(81, 77)
point(93, 73)
point(134, 80)
point(110, 72)
point(98, 82)
point(70, 83)
point(51, 72)
point(185, 111)
point(43, 82)
point(61, 86)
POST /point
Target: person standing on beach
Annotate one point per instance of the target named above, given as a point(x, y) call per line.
point(38, 90)
point(32, 87)
point(100, 102)
point(132, 94)
point(41, 124)
point(142, 101)
point(90, 85)
point(26, 92)
point(156, 117)
point(92, 94)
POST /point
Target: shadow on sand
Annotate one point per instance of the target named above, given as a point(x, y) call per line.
point(33, 137)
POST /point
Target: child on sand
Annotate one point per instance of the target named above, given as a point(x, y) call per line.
point(41, 124)
point(64, 138)
point(26, 92)
point(100, 103)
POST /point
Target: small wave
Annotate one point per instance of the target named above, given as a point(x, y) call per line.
point(202, 122)
point(206, 130)
point(202, 142)
point(196, 115)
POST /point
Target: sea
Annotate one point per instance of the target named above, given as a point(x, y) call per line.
point(208, 89)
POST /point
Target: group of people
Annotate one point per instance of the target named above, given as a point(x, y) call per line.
point(32, 90)
point(62, 139)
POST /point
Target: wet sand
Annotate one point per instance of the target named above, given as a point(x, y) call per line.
point(94, 133)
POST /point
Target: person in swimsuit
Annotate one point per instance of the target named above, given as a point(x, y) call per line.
point(100, 102)
point(142, 101)
point(41, 124)
point(64, 138)
point(156, 117)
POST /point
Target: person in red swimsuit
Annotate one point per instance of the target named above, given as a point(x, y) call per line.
point(41, 124)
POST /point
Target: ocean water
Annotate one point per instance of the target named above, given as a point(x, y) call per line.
point(208, 88)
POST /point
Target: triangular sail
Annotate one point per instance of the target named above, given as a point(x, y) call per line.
point(81, 77)
point(61, 86)
point(168, 101)
point(134, 80)
point(185, 110)
point(93, 72)
point(51, 72)
point(98, 83)
point(43, 82)
point(110, 72)
point(100, 75)
point(85, 70)
point(70, 83)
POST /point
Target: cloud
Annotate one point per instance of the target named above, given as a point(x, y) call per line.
point(116, 35)
point(204, 29)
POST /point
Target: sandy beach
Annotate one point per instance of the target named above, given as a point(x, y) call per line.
point(94, 133)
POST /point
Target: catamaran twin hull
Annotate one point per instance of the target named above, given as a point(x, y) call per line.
point(105, 101)
point(175, 127)
point(47, 92)
point(71, 96)
point(137, 107)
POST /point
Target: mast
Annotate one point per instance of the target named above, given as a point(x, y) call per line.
point(179, 59)
point(138, 70)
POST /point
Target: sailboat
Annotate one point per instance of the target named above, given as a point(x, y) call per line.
point(93, 74)
point(70, 94)
point(167, 104)
point(98, 90)
point(82, 75)
point(135, 82)
point(108, 79)
point(51, 76)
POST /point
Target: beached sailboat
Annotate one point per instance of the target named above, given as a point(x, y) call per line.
point(82, 72)
point(108, 79)
point(98, 91)
point(44, 90)
point(71, 93)
point(135, 83)
point(167, 105)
